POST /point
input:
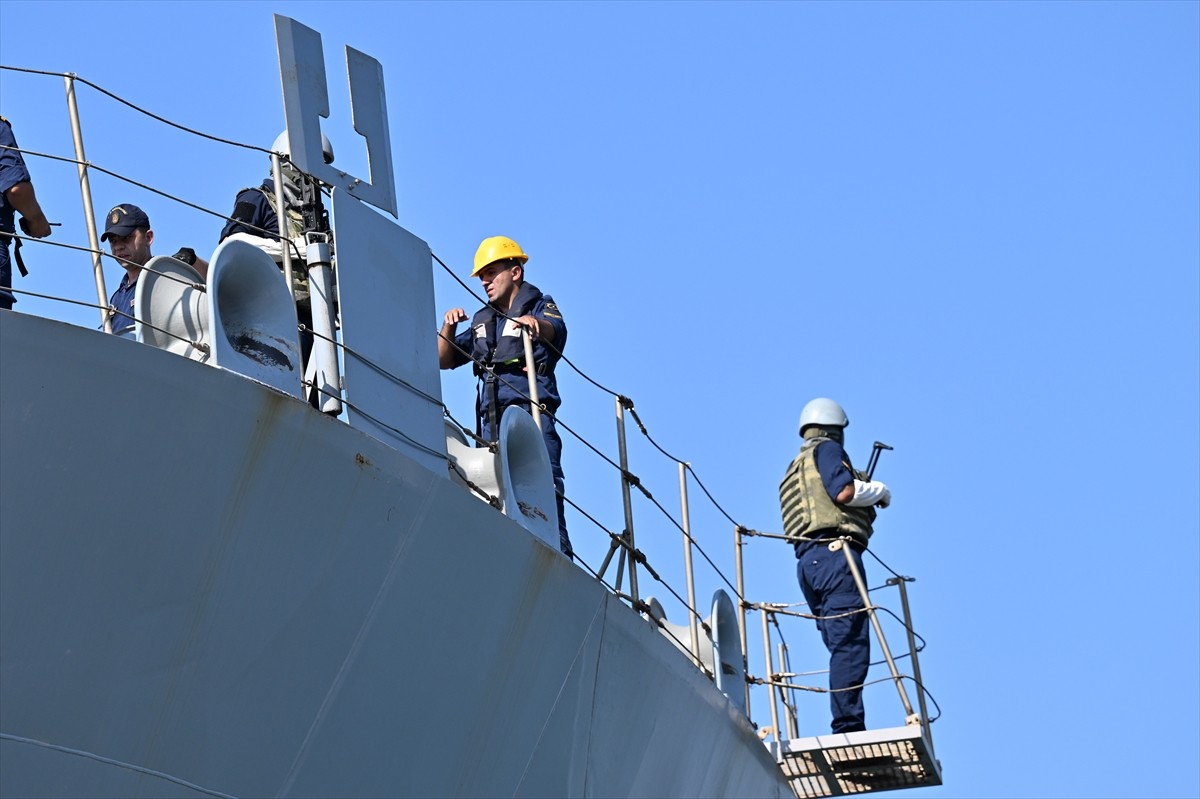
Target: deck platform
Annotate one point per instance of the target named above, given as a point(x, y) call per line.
point(859, 762)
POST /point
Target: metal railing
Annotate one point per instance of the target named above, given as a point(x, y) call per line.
point(630, 559)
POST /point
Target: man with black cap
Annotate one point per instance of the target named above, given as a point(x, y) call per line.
point(127, 231)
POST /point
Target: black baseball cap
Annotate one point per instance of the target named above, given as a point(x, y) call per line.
point(123, 219)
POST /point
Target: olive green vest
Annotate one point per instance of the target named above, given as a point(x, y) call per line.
point(295, 228)
point(295, 219)
point(808, 511)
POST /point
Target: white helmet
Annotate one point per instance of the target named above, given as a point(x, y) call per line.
point(282, 145)
point(824, 412)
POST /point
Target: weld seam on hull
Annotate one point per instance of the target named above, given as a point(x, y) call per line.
point(4, 736)
point(352, 653)
point(562, 687)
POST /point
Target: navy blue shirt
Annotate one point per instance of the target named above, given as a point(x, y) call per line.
point(834, 466)
point(12, 172)
point(253, 213)
point(122, 300)
point(512, 384)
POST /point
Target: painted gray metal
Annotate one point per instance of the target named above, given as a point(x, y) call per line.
point(860, 762)
point(276, 603)
point(170, 308)
point(251, 317)
point(306, 99)
point(385, 286)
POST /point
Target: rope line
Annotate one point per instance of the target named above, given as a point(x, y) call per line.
point(112, 312)
point(263, 231)
point(630, 477)
point(784, 537)
point(376, 420)
point(137, 108)
point(174, 278)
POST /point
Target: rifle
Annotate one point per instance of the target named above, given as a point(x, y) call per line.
point(877, 448)
point(312, 208)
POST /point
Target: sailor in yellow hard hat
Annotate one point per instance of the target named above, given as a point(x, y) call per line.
point(493, 344)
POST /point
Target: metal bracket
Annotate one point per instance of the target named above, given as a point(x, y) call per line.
point(306, 99)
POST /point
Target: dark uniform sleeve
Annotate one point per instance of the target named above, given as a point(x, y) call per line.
point(252, 214)
point(12, 165)
point(834, 466)
point(463, 346)
point(12, 172)
point(546, 309)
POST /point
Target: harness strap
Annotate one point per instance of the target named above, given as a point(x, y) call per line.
point(17, 256)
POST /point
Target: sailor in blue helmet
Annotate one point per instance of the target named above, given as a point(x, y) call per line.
point(16, 194)
point(493, 343)
point(823, 499)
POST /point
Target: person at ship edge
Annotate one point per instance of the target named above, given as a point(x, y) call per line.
point(16, 194)
point(127, 231)
point(823, 498)
point(255, 220)
point(492, 340)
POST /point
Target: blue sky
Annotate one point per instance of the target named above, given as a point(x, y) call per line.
point(976, 225)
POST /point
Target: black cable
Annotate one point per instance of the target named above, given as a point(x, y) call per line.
point(631, 478)
point(139, 109)
point(275, 235)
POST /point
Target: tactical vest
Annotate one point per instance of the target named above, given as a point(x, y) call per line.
point(808, 510)
point(295, 229)
point(295, 219)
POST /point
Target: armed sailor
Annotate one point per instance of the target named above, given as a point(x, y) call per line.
point(823, 498)
point(493, 343)
point(255, 219)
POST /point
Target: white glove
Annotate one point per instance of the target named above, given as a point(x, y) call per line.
point(868, 494)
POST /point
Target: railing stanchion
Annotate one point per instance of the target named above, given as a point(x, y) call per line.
point(531, 372)
point(912, 650)
point(790, 707)
point(687, 560)
point(85, 190)
point(741, 590)
point(285, 241)
point(887, 653)
point(770, 675)
point(625, 497)
point(285, 247)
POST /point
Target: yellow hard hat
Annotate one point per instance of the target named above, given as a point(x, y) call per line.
point(497, 248)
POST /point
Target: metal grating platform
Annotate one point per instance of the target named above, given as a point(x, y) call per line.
point(858, 762)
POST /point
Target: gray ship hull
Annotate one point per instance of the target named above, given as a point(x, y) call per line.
point(208, 588)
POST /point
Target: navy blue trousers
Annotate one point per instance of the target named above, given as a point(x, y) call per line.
point(554, 449)
point(829, 589)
